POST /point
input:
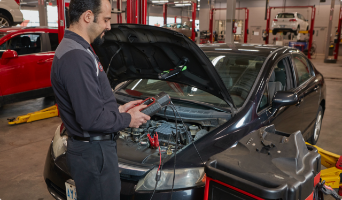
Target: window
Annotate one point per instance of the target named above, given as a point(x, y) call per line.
point(303, 68)
point(264, 101)
point(277, 82)
point(285, 15)
point(299, 16)
point(25, 44)
point(53, 41)
point(2, 48)
point(238, 73)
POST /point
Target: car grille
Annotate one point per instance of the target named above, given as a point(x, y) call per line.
point(56, 189)
point(128, 187)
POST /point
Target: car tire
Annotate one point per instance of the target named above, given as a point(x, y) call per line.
point(297, 31)
point(317, 129)
point(274, 32)
point(5, 21)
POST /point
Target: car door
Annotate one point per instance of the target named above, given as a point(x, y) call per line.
point(308, 87)
point(287, 118)
point(43, 66)
point(17, 75)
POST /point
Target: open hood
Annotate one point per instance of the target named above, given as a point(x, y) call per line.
point(132, 51)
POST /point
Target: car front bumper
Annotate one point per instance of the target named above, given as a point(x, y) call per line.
point(56, 173)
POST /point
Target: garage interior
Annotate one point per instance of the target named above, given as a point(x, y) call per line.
point(23, 147)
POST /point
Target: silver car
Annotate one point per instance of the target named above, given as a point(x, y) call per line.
point(10, 14)
point(289, 22)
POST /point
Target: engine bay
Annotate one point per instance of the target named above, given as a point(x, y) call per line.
point(166, 131)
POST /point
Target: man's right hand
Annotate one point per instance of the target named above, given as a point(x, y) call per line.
point(138, 118)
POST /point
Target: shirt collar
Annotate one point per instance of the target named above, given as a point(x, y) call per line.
point(74, 36)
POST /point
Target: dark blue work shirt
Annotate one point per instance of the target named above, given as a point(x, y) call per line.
point(84, 97)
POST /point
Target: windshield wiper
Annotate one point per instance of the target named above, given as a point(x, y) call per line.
point(208, 105)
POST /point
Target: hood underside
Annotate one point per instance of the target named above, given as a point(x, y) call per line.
point(133, 51)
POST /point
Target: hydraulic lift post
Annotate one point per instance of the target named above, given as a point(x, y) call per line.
point(193, 35)
point(337, 45)
point(313, 14)
point(136, 11)
point(61, 19)
point(211, 22)
point(118, 16)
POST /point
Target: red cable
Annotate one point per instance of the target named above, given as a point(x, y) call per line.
point(159, 159)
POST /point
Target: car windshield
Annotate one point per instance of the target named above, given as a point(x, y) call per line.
point(151, 87)
point(238, 73)
point(285, 15)
point(2, 35)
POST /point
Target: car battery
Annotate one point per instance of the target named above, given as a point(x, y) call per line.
point(265, 164)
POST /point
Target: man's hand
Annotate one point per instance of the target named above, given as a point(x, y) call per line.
point(129, 105)
point(138, 118)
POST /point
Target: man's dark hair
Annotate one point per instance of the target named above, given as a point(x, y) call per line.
point(78, 7)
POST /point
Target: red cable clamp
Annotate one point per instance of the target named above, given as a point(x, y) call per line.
point(154, 142)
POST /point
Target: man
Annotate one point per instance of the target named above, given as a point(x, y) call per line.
point(87, 105)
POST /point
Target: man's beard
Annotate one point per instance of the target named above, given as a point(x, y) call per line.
point(99, 40)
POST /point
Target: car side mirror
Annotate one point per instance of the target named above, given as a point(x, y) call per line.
point(284, 98)
point(8, 54)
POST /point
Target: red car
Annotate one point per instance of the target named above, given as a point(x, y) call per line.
point(26, 55)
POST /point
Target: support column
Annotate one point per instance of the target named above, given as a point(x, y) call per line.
point(211, 19)
point(61, 19)
point(42, 13)
point(165, 13)
point(326, 60)
point(230, 20)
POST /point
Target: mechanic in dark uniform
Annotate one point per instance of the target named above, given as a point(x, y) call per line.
point(87, 104)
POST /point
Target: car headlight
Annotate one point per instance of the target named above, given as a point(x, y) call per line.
point(184, 178)
point(59, 142)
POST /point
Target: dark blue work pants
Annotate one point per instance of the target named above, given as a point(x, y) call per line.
point(94, 168)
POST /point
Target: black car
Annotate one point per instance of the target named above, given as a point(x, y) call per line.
point(224, 93)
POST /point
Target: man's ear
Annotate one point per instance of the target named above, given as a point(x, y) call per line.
point(88, 16)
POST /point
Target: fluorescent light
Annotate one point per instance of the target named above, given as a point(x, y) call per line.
point(160, 1)
point(184, 4)
point(224, 49)
point(248, 50)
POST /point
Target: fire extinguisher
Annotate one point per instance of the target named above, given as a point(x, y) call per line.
point(234, 24)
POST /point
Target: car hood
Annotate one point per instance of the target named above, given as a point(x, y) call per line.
point(133, 51)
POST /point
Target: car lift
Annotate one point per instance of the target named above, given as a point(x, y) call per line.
point(211, 22)
point(194, 7)
point(313, 13)
point(35, 116)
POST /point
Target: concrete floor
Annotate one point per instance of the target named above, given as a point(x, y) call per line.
point(23, 147)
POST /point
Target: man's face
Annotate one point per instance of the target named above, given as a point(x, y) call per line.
point(101, 24)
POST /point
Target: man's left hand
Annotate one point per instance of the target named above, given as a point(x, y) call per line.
point(124, 108)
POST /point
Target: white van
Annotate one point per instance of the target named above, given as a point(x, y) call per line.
point(10, 14)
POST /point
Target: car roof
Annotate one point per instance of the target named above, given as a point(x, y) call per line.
point(28, 29)
point(252, 49)
point(287, 12)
